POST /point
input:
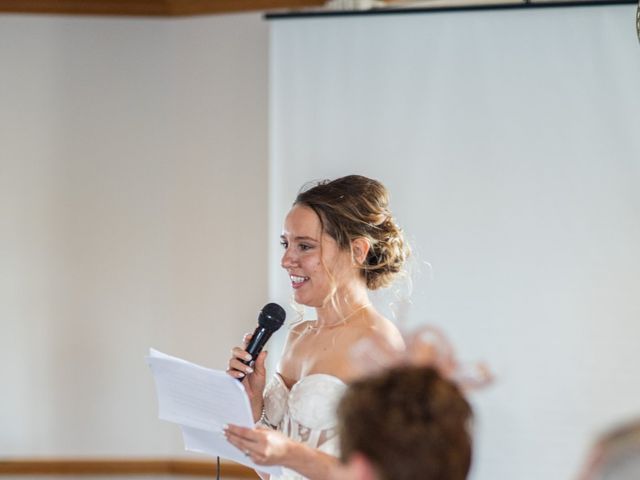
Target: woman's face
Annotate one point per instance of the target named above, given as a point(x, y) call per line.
point(312, 259)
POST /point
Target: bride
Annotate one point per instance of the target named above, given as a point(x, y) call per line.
point(339, 241)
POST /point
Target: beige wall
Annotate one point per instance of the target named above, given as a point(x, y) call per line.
point(133, 186)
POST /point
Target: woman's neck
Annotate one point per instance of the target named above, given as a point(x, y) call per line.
point(343, 306)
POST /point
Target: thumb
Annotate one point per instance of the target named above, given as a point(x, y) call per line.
point(259, 366)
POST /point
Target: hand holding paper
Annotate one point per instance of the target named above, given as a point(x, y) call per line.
point(202, 401)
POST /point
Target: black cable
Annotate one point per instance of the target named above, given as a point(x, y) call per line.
point(218, 468)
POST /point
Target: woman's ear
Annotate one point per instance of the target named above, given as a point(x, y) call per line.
point(360, 248)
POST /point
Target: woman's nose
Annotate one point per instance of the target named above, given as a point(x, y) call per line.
point(287, 260)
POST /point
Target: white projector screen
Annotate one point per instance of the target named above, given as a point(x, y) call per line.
point(510, 142)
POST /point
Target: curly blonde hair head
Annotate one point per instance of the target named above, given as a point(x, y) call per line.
point(358, 207)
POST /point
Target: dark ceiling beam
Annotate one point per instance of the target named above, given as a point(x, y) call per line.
point(156, 8)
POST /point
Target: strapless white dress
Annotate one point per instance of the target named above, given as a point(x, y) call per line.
point(306, 413)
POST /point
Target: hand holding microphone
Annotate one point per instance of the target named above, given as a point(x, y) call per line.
point(247, 361)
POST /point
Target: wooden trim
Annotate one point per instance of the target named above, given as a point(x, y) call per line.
point(122, 466)
point(167, 8)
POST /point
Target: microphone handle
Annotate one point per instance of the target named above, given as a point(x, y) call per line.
point(258, 340)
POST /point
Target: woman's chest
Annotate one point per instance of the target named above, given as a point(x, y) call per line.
point(316, 353)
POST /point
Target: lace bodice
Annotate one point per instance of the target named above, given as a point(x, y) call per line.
point(306, 413)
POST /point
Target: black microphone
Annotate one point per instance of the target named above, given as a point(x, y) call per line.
point(270, 319)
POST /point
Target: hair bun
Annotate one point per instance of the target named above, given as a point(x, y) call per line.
point(387, 255)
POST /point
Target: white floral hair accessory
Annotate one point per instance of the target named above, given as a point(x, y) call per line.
point(427, 346)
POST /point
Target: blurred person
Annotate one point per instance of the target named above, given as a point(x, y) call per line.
point(615, 456)
point(405, 423)
point(340, 241)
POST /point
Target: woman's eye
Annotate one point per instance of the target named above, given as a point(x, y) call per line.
point(304, 247)
point(284, 244)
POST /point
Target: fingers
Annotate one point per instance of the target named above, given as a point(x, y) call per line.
point(249, 441)
point(240, 354)
point(259, 366)
point(244, 433)
point(246, 339)
point(241, 438)
point(241, 444)
point(264, 447)
point(237, 368)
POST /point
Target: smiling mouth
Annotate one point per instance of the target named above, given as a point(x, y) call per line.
point(296, 280)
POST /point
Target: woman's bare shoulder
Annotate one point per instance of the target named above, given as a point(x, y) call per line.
point(382, 330)
point(377, 337)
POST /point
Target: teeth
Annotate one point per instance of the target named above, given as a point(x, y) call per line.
point(296, 279)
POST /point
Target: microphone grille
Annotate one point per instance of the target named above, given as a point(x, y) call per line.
point(271, 316)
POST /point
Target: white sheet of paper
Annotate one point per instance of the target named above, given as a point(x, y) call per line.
point(202, 401)
point(214, 443)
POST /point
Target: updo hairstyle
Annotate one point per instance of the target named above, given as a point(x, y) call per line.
point(355, 206)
